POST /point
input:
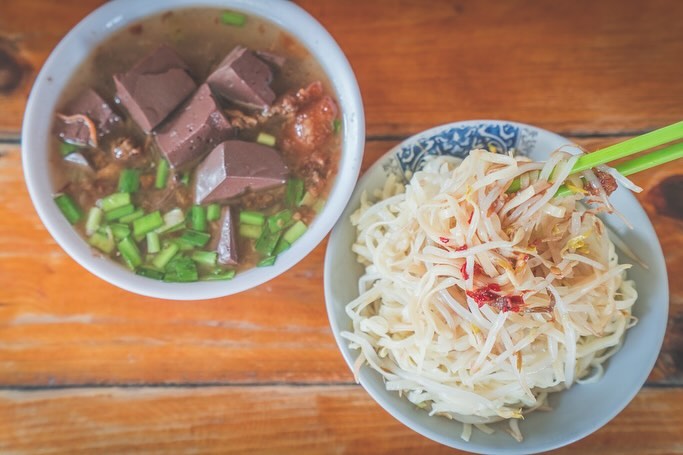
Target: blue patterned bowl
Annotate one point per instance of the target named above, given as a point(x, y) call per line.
point(578, 411)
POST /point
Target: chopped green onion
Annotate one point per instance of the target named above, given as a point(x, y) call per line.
point(308, 200)
point(250, 231)
point(294, 232)
point(282, 245)
point(267, 242)
point(102, 241)
point(219, 274)
point(129, 181)
point(195, 238)
point(185, 178)
point(278, 221)
point(149, 272)
point(205, 257)
point(162, 174)
point(153, 243)
point(213, 212)
point(147, 223)
point(265, 262)
point(319, 205)
point(254, 218)
point(120, 231)
point(130, 252)
point(336, 125)
point(172, 219)
point(139, 213)
point(119, 212)
point(198, 218)
point(181, 269)
point(66, 149)
point(114, 201)
point(294, 192)
point(165, 255)
point(233, 18)
point(266, 139)
point(69, 208)
point(92, 223)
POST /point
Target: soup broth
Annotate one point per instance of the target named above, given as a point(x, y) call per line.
point(223, 180)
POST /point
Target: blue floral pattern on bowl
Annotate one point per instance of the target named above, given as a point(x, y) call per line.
point(459, 140)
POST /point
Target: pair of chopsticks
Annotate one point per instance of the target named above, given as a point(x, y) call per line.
point(627, 148)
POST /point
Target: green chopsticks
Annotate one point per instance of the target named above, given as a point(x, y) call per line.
point(627, 148)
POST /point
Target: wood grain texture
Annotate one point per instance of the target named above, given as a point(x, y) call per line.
point(583, 66)
point(282, 420)
point(60, 325)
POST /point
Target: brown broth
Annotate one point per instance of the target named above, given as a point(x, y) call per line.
point(202, 41)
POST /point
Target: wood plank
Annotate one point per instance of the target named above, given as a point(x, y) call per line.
point(54, 332)
point(582, 66)
point(301, 420)
point(29, 30)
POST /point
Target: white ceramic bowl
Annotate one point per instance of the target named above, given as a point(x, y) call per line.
point(109, 18)
point(578, 411)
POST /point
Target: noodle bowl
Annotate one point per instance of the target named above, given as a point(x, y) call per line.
point(475, 303)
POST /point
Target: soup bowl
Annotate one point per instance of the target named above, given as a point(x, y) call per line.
point(576, 412)
point(114, 16)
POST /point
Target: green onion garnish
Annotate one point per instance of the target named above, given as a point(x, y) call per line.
point(185, 178)
point(219, 274)
point(280, 220)
point(114, 201)
point(120, 231)
point(233, 18)
point(195, 238)
point(173, 219)
point(266, 139)
point(294, 232)
point(250, 231)
point(147, 223)
point(92, 223)
point(253, 218)
point(149, 272)
point(265, 262)
point(336, 125)
point(267, 242)
point(319, 205)
point(163, 258)
point(66, 148)
point(130, 252)
point(69, 208)
point(213, 212)
point(162, 174)
point(119, 212)
point(102, 241)
point(153, 243)
point(129, 181)
point(182, 270)
point(132, 217)
point(205, 257)
point(281, 246)
point(198, 218)
point(294, 192)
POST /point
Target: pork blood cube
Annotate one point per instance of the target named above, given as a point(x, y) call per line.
point(197, 126)
point(235, 167)
point(75, 130)
point(154, 87)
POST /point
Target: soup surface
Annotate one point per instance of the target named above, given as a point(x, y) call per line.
point(195, 144)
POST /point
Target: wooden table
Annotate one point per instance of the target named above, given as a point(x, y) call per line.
point(87, 367)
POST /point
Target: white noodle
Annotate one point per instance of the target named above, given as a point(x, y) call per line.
point(430, 247)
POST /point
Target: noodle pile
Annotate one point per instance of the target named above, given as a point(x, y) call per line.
point(475, 303)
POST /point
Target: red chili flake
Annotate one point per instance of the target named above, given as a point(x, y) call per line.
point(470, 218)
point(461, 248)
point(482, 296)
point(443, 239)
point(477, 269)
point(463, 271)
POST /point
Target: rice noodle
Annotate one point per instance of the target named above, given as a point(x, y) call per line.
point(433, 248)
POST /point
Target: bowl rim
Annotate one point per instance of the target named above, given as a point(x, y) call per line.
point(110, 18)
point(380, 396)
